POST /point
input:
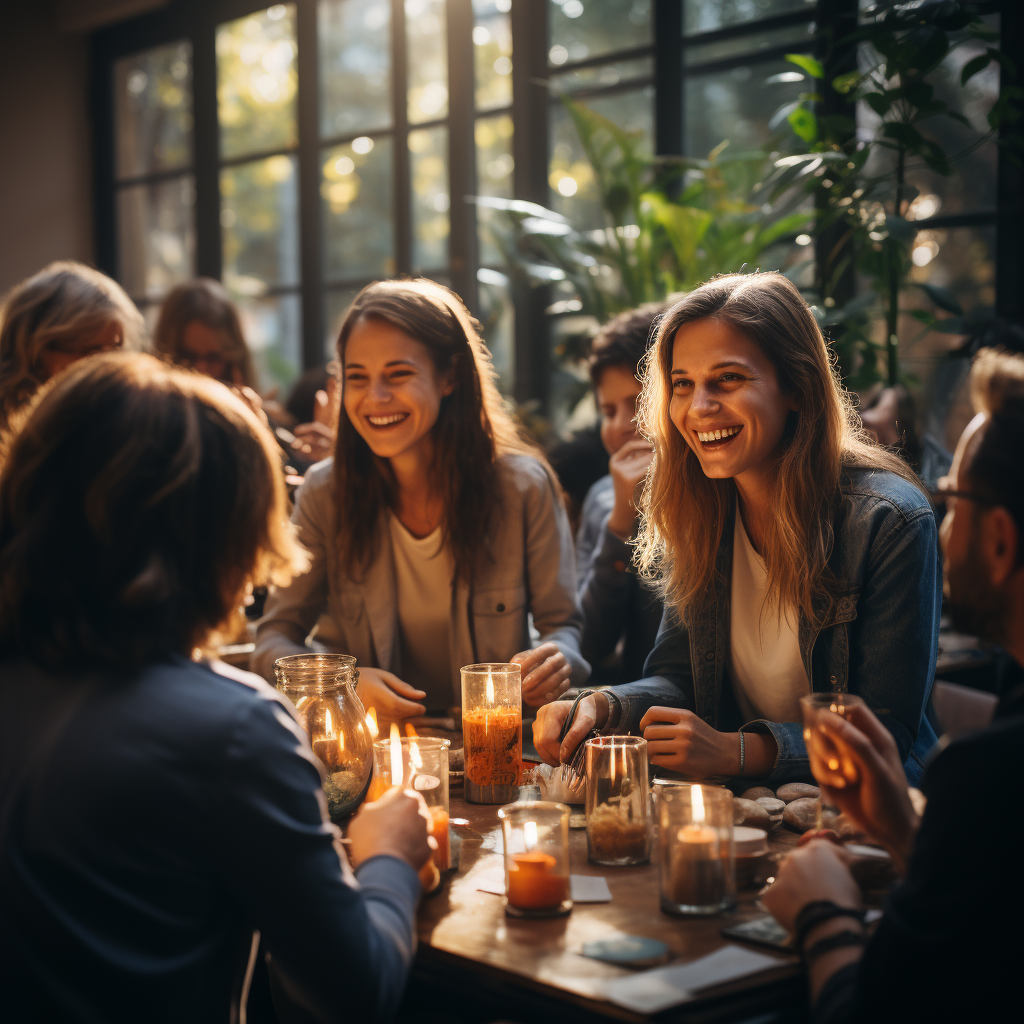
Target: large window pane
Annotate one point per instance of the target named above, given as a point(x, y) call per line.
point(273, 331)
point(498, 324)
point(257, 81)
point(426, 35)
point(492, 53)
point(573, 187)
point(494, 167)
point(428, 151)
point(355, 66)
point(604, 74)
point(708, 15)
point(156, 236)
point(336, 303)
point(357, 198)
point(797, 36)
point(259, 218)
point(587, 28)
point(739, 105)
point(153, 110)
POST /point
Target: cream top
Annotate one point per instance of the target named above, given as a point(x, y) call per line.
point(767, 671)
point(423, 584)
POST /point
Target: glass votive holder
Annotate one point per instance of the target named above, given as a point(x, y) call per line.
point(825, 757)
point(618, 801)
point(696, 861)
point(492, 732)
point(535, 834)
point(424, 768)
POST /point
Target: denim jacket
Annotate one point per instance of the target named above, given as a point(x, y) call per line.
point(878, 636)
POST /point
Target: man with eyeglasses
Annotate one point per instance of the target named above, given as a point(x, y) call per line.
point(949, 944)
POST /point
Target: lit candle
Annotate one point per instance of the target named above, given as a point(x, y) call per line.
point(697, 875)
point(532, 884)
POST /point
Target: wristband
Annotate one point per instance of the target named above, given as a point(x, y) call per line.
point(820, 910)
point(831, 942)
point(743, 753)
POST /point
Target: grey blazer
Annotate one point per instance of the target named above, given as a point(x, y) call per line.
point(528, 569)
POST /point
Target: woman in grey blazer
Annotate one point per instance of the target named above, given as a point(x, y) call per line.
point(436, 531)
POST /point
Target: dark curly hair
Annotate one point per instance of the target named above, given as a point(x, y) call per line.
point(625, 339)
point(137, 502)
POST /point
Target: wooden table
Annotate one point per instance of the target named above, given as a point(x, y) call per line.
point(487, 966)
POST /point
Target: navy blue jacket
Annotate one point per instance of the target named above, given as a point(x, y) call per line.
point(149, 825)
point(877, 635)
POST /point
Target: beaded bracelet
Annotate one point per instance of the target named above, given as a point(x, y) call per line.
point(831, 942)
point(742, 752)
point(821, 910)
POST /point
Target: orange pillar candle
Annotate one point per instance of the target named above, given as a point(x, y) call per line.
point(532, 883)
point(439, 830)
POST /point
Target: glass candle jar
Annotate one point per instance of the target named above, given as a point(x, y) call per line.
point(536, 843)
point(423, 762)
point(492, 732)
point(826, 758)
point(618, 801)
point(322, 688)
point(696, 861)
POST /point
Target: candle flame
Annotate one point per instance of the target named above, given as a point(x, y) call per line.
point(697, 804)
point(490, 689)
point(613, 763)
point(371, 723)
point(410, 731)
point(330, 723)
point(530, 834)
point(397, 769)
point(414, 755)
point(341, 742)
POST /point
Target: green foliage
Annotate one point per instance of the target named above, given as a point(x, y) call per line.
point(670, 224)
point(864, 201)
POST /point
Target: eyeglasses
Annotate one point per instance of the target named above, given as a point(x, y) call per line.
point(949, 498)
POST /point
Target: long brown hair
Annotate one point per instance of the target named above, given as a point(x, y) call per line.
point(683, 511)
point(64, 300)
point(205, 301)
point(137, 501)
point(472, 431)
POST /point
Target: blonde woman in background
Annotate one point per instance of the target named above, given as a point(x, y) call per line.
point(62, 314)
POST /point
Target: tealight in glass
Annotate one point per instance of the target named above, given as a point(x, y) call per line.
point(323, 689)
point(492, 732)
point(618, 801)
point(535, 836)
point(424, 768)
point(696, 860)
point(825, 757)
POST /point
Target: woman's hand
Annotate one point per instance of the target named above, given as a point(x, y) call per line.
point(869, 785)
point(592, 713)
point(392, 699)
point(818, 871)
point(680, 740)
point(314, 440)
point(545, 672)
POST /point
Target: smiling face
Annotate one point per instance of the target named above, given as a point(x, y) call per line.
point(616, 393)
point(726, 400)
point(392, 391)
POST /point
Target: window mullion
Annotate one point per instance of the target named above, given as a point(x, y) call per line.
point(400, 115)
point(310, 247)
point(461, 152)
point(206, 148)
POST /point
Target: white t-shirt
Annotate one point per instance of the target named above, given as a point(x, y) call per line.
point(767, 671)
point(423, 583)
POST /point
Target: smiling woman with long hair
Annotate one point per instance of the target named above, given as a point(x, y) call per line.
point(793, 554)
point(436, 529)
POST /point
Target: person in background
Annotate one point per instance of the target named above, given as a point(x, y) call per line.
point(792, 553)
point(199, 328)
point(313, 409)
point(436, 530)
point(157, 808)
point(62, 314)
point(946, 947)
point(618, 607)
point(579, 462)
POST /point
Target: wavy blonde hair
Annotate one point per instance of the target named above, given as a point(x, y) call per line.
point(63, 300)
point(683, 511)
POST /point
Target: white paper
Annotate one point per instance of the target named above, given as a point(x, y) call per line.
point(656, 990)
point(582, 888)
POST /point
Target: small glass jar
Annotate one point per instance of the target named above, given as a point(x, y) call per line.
point(696, 861)
point(322, 688)
point(424, 761)
point(492, 732)
point(824, 756)
point(618, 801)
point(536, 844)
